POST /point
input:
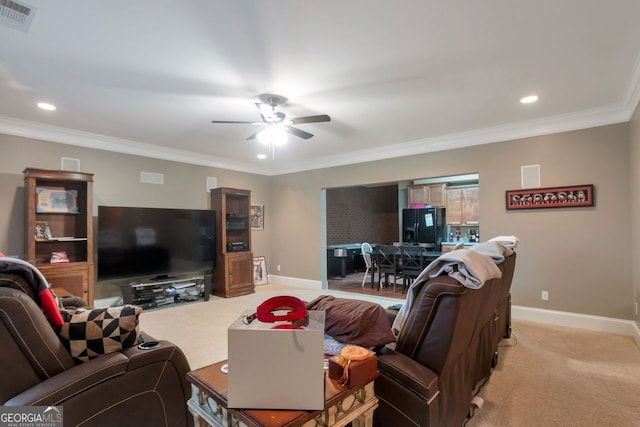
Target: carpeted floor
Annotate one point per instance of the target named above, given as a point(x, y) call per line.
point(558, 376)
point(546, 375)
point(200, 328)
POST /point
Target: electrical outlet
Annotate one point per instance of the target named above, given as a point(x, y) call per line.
point(545, 295)
point(278, 267)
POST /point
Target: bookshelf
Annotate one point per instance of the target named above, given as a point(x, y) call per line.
point(233, 275)
point(59, 226)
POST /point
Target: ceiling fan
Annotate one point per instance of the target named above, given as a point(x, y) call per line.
point(277, 122)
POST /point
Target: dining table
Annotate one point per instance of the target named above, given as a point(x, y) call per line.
point(427, 253)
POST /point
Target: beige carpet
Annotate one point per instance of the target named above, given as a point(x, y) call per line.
point(200, 328)
point(546, 375)
point(557, 376)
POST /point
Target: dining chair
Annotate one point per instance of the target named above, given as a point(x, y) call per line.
point(369, 262)
point(413, 262)
point(389, 264)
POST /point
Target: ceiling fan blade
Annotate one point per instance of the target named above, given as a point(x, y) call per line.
point(253, 135)
point(299, 133)
point(310, 119)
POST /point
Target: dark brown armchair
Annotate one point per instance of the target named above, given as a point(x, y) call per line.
point(445, 351)
point(128, 387)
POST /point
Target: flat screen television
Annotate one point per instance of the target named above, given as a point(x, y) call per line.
point(154, 243)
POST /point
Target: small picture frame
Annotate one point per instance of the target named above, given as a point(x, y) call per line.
point(56, 199)
point(256, 217)
point(260, 276)
point(42, 231)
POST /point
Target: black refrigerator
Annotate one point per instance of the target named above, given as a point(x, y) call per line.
point(424, 225)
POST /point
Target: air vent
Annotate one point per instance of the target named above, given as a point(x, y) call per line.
point(14, 14)
point(151, 178)
point(212, 182)
point(70, 164)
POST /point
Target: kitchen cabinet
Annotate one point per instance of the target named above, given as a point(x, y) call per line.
point(58, 228)
point(233, 274)
point(470, 206)
point(463, 206)
point(432, 194)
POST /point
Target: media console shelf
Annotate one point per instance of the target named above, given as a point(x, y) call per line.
point(151, 293)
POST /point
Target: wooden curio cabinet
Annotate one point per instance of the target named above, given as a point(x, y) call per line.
point(59, 227)
point(233, 275)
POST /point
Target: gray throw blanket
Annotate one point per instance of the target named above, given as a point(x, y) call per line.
point(468, 266)
point(471, 267)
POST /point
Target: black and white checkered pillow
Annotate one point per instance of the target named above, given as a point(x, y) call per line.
point(89, 332)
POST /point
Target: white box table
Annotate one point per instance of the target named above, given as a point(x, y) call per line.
point(276, 368)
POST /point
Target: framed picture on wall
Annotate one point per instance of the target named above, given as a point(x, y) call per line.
point(257, 217)
point(556, 197)
point(260, 276)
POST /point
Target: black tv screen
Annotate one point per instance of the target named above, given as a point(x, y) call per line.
point(154, 242)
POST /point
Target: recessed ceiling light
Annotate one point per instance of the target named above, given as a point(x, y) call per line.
point(46, 106)
point(262, 156)
point(529, 99)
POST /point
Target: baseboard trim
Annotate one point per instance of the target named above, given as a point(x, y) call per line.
point(576, 320)
point(295, 281)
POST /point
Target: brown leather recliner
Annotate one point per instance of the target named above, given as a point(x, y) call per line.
point(445, 352)
point(129, 387)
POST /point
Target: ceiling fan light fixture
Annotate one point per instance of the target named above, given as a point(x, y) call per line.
point(273, 135)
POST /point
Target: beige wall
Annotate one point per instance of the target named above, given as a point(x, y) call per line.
point(581, 256)
point(634, 157)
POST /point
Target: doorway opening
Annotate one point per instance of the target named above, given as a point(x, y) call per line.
point(373, 214)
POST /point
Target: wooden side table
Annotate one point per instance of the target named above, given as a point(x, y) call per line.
point(343, 405)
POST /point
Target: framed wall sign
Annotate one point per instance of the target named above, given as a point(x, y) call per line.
point(257, 217)
point(554, 197)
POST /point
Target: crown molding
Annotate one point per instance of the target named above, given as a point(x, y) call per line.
point(632, 94)
point(557, 124)
point(44, 132)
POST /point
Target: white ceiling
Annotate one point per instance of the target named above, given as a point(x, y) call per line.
point(397, 77)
